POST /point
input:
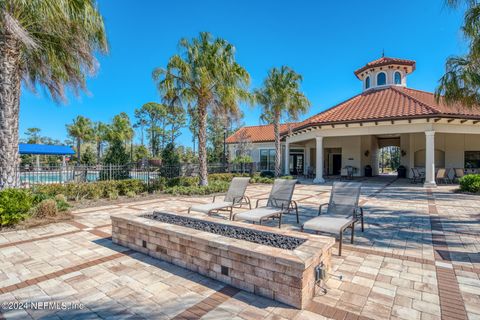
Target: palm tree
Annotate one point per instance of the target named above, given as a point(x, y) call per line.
point(81, 129)
point(150, 114)
point(281, 97)
point(207, 75)
point(99, 135)
point(120, 129)
point(49, 43)
point(461, 82)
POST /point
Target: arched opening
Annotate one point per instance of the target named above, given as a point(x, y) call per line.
point(381, 79)
point(389, 159)
point(397, 78)
point(367, 82)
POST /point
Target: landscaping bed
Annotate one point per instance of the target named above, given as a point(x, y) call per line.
point(49, 201)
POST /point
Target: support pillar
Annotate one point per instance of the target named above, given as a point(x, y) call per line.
point(286, 169)
point(430, 159)
point(306, 160)
point(319, 161)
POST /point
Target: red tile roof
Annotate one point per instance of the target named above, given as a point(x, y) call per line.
point(263, 133)
point(388, 103)
point(383, 61)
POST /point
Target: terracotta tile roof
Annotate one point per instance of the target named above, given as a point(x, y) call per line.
point(383, 61)
point(263, 133)
point(388, 103)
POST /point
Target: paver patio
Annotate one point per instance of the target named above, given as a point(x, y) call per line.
point(417, 259)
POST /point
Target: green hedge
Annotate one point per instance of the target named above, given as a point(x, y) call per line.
point(213, 187)
point(15, 205)
point(470, 183)
point(92, 190)
point(19, 204)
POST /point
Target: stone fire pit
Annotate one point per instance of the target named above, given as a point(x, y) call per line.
point(274, 263)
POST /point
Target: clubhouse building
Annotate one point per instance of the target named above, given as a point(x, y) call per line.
point(429, 134)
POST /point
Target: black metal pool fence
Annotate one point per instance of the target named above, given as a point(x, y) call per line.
point(46, 174)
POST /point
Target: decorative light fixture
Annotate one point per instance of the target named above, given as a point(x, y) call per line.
point(366, 153)
point(404, 153)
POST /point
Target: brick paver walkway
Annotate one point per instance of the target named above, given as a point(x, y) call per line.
point(417, 259)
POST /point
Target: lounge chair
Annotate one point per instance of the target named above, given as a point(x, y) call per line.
point(417, 176)
point(342, 212)
point(442, 176)
point(279, 202)
point(459, 173)
point(235, 197)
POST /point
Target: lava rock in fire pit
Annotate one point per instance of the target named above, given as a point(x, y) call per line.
point(255, 236)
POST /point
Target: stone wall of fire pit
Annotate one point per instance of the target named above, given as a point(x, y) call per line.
point(284, 275)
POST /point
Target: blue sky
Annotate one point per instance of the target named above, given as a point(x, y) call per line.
point(325, 41)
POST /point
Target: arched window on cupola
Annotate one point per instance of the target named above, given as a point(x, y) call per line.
point(397, 78)
point(381, 79)
point(367, 82)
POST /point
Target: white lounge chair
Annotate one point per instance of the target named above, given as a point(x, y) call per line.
point(279, 202)
point(459, 173)
point(235, 197)
point(442, 176)
point(342, 212)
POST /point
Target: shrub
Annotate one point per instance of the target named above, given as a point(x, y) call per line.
point(118, 157)
point(130, 185)
point(112, 195)
point(62, 203)
point(46, 208)
point(131, 194)
point(50, 190)
point(91, 190)
point(213, 187)
point(470, 183)
point(227, 177)
point(157, 184)
point(15, 205)
point(267, 174)
point(259, 179)
point(182, 182)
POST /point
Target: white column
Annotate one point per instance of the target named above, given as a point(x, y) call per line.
point(430, 159)
point(286, 169)
point(307, 160)
point(319, 161)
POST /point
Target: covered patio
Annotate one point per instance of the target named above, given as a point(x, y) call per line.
point(427, 144)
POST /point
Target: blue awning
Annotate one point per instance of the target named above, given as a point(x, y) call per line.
point(26, 148)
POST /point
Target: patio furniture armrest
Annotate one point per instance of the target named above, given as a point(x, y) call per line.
point(258, 200)
point(237, 199)
point(217, 195)
point(285, 202)
point(321, 206)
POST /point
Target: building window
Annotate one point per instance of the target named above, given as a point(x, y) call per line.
point(472, 159)
point(367, 82)
point(398, 78)
point(381, 79)
point(267, 159)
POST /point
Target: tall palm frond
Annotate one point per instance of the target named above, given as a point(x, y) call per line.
point(206, 75)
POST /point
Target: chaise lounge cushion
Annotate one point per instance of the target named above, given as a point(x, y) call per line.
point(207, 207)
point(327, 224)
point(257, 214)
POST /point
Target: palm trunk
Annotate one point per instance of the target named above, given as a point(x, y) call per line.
point(79, 151)
point(202, 142)
point(278, 149)
point(9, 110)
